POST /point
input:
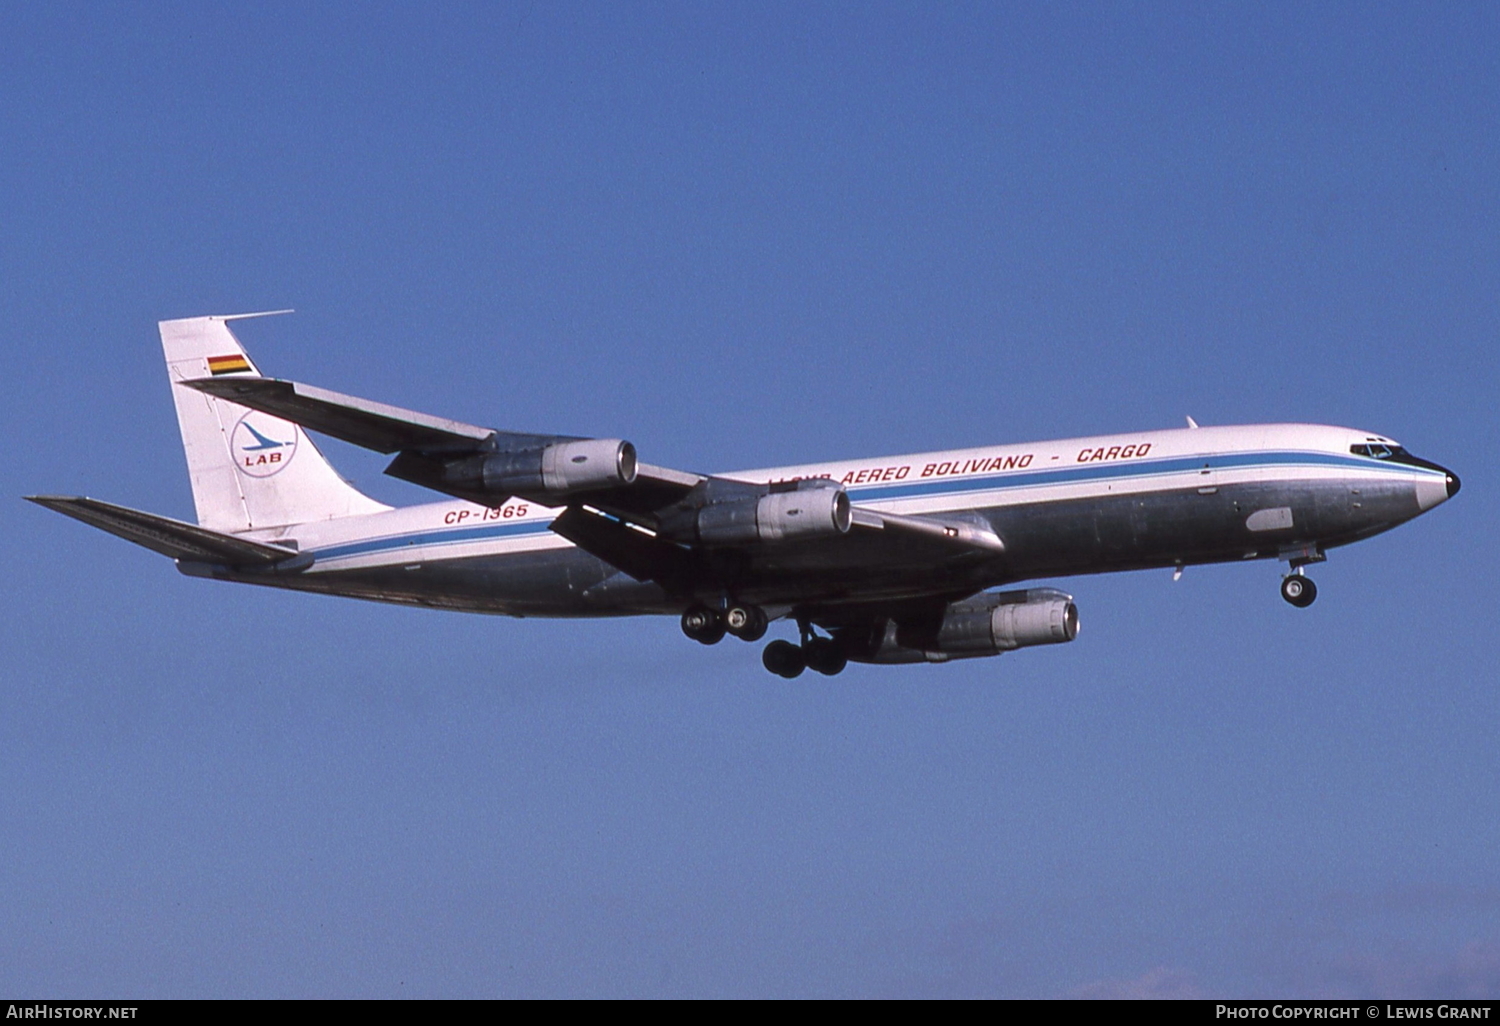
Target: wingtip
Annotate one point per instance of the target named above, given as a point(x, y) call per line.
point(248, 316)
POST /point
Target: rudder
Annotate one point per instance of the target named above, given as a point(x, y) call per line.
point(249, 470)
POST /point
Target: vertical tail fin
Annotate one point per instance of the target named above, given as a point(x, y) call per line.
point(249, 469)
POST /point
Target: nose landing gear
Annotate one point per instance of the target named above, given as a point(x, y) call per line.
point(1296, 588)
point(1299, 590)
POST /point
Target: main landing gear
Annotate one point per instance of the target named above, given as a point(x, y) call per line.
point(708, 626)
point(821, 655)
point(703, 625)
point(748, 623)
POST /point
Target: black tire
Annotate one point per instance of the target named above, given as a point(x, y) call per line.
point(1300, 591)
point(703, 625)
point(826, 657)
point(784, 659)
point(748, 623)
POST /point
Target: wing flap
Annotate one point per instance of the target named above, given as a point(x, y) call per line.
point(625, 547)
point(162, 534)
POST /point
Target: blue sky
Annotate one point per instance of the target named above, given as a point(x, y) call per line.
point(748, 236)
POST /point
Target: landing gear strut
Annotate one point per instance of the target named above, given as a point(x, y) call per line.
point(1298, 589)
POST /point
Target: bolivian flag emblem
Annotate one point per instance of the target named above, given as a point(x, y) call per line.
point(232, 364)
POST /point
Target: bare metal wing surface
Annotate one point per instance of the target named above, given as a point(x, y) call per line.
point(361, 422)
point(462, 459)
point(893, 559)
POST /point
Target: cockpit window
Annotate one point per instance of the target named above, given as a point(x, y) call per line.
point(1378, 451)
point(1392, 454)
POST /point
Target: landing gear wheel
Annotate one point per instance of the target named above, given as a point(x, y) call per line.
point(784, 659)
point(748, 623)
point(703, 625)
point(1298, 590)
point(824, 656)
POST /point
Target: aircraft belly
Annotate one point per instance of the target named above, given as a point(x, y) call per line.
point(550, 582)
point(1099, 533)
point(1247, 520)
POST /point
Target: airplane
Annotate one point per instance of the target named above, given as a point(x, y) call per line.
point(887, 560)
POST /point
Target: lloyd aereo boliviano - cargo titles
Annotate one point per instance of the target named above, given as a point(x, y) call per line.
point(888, 560)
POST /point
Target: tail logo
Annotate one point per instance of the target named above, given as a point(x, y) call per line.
point(262, 444)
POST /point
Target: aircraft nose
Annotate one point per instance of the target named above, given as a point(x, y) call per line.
point(1432, 491)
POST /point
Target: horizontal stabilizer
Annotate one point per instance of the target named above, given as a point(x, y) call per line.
point(361, 422)
point(169, 537)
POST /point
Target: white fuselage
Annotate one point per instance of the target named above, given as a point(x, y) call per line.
point(1251, 491)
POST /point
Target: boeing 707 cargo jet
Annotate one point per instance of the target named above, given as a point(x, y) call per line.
point(886, 560)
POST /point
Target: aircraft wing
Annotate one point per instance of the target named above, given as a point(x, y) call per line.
point(425, 443)
point(348, 418)
point(169, 537)
point(639, 522)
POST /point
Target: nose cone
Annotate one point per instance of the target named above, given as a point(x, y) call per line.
point(1435, 490)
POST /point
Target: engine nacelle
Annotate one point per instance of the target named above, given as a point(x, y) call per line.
point(557, 470)
point(779, 516)
point(985, 625)
point(991, 624)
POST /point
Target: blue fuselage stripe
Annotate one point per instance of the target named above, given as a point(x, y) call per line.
point(446, 536)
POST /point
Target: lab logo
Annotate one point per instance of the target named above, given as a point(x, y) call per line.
point(262, 444)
